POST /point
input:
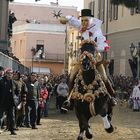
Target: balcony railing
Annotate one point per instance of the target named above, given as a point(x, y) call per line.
point(52, 57)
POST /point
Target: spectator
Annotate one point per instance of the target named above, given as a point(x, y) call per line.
point(56, 94)
point(1, 72)
point(20, 110)
point(42, 100)
point(136, 97)
point(49, 88)
point(2, 115)
point(8, 99)
point(32, 101)
point(62, 91)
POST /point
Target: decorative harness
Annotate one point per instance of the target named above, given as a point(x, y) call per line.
point(91, 93)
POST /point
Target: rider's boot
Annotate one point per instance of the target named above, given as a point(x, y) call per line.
point(111, 92)
point(107, 83)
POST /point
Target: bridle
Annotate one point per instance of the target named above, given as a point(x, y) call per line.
point(87, 61)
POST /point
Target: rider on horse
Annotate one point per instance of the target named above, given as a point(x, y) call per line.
point(90, 29)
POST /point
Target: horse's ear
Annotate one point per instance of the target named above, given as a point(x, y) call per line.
point(95, 39)
point(88, 47)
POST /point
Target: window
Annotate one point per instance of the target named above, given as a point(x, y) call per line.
point(40, 46)
point(135, 10)
point(101, 9)
point(138, 7)
point(20, 47)
point(132, 11)
point(113, 11)
point(92, 7)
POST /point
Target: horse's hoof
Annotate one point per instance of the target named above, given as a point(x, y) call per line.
point(80, 138)
point(88, 135)
point(110, 130)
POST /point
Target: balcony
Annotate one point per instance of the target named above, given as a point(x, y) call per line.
point(51, 57)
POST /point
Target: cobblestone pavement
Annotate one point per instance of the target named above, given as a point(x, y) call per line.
point(65, 127)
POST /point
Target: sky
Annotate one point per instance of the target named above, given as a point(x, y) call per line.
point(76, 3)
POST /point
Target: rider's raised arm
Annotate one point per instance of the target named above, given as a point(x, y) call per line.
point(71, 20)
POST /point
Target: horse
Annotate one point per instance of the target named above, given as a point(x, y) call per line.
point(89, 93)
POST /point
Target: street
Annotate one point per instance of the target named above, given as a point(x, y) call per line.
point(65, 127)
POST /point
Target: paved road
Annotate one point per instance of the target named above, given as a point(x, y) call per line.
point(65, 127)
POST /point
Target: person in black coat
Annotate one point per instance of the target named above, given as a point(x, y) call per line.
point(8, 99)
point(33, 89)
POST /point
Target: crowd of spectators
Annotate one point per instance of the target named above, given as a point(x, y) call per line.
point(24, 99)
point(123, 86)
point(127, 91)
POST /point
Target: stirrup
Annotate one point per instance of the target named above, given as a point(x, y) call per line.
point(63, 108)
point(66, 105)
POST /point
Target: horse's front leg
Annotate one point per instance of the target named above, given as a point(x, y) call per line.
point(88, 133)
point(107, 121)
point(83, 124)
point(81, 134)
point(84, 130)
point(107, 125)
point(84, 127)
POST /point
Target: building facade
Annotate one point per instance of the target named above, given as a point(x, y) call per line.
point(121, 27)
point(39, 40)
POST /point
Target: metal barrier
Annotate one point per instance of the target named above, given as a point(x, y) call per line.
point(8, 62)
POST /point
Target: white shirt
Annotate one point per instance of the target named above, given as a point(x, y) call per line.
point(94, 28)
point(63, 89)
point(136, 92)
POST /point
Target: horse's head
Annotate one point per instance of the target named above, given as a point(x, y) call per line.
point(85, 63)
point(88, 62)
point(87, 57)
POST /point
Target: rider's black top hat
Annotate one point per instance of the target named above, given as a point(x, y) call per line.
point(86, 12)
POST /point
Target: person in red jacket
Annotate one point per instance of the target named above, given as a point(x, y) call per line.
point(43, 95)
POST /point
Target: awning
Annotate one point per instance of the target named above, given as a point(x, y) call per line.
point(41, 70)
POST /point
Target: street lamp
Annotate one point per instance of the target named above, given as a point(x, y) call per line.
point(33, 53)
point(133, 50)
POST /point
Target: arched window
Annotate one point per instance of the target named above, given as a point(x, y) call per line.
point(113, 11)
point(101, 9)
point(92, 7)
